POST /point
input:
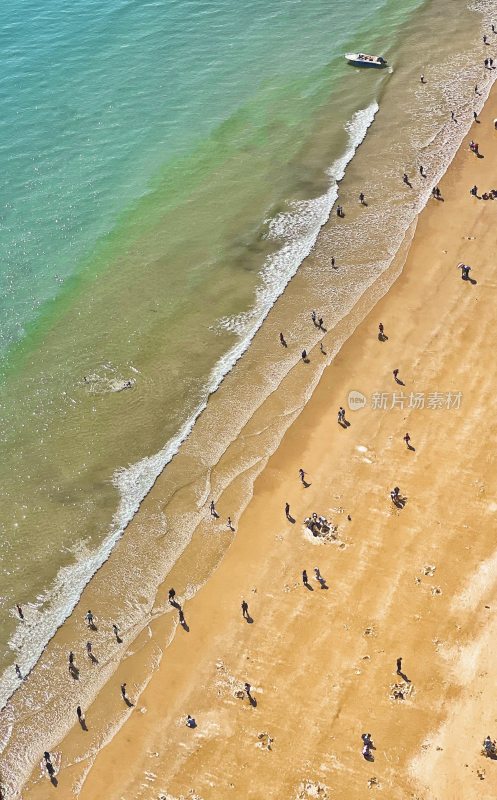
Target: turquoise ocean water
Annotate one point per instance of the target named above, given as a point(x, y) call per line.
point(166, 166)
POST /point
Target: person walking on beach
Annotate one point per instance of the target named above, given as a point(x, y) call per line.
point(71, 659)
point(422, 171)
point(406, 180)
point(18, 672)
point(464, 271)
point(287, 510)
point(48, 764)
point(116, 631)
point(362, 199)
point(245, 609)
point(399, 666)
point(474, 191)
point(304, 355)
point(322, 348)
point(381, 329)
point(422, 79)
point(213, 509)
point(395, 495)
point(19, 612)
point(79, 713)
point(453, 116)
point(407, 439)
point(123, 692)
point(229, 524)
point(314, 317)
point(171, 596)
point(396, 374)
point(301, 475)
point(283, 340)
point(475, 116)
point(90, 620)
point(333, 262)
point(89, 651)
point(305, 579)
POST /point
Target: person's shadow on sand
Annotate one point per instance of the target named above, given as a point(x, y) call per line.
point(183, 622)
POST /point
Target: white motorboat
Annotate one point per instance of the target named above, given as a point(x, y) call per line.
point(365, 60)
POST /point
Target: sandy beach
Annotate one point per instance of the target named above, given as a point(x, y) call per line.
point(418, 582)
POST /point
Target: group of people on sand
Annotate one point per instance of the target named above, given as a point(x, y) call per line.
point(490, 195)
point(490, 747)
point(317, 524)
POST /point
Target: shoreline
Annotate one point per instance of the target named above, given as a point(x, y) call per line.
point(242, 549)
point(341, 286)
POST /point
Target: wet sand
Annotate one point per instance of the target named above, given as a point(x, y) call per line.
point(416, 582)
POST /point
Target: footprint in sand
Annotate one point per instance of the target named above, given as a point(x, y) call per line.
point(311, 789)
point(370, 458)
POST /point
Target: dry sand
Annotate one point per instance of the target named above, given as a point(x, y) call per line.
point(420, 582)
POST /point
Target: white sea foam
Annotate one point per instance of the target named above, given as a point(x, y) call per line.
point(298, 228)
